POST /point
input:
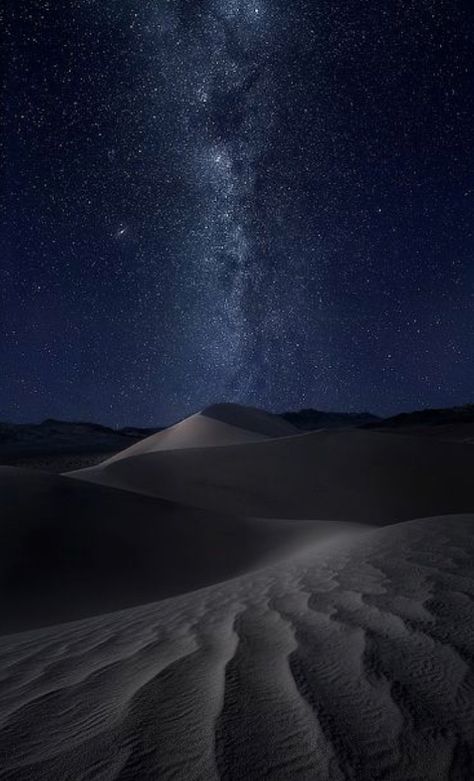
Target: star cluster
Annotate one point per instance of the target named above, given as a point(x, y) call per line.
point(207, 200)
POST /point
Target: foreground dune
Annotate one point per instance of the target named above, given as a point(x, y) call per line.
point(350, 660)
point(70, 549)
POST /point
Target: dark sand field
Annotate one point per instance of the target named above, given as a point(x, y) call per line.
point(234, 599)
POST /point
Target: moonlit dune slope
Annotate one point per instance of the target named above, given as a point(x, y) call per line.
point(352, 660)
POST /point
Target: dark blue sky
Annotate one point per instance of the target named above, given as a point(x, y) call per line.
point(265, 202)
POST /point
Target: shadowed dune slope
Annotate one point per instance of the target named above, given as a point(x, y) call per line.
point(356, 475)
point(352, 662)
point(250, 418)
point(72, 549)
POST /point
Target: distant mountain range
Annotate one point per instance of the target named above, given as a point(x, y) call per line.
point(77, 436)
point(427, 417)
point(67, 435)
point(311, 419)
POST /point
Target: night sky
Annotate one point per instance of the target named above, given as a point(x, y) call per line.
point(267, 202)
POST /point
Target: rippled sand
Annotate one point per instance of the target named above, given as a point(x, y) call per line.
point(258, 632)
point(353, 660)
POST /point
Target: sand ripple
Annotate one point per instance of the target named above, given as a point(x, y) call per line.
point(352, 661)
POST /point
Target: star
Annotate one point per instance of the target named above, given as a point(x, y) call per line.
point(285, 188)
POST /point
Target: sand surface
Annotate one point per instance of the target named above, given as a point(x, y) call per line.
point(350, 661)
point(357, 475)
point(71, 549)
point(214, 611)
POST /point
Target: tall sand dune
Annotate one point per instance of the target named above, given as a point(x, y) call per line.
point(219, 425)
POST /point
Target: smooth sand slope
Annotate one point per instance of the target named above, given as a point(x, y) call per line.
point(353, 661)
point(357, 475)
point(72, 549)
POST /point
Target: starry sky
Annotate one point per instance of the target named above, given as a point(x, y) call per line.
point(266, 202)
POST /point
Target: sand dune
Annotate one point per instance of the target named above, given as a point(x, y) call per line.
point(266, 634)
point(352, 660)
point(72, 549)
point(219, 425)
point(357, 475)
point(250, 418)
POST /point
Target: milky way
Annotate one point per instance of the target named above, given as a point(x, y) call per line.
point(228, 104)
point(264, 202)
